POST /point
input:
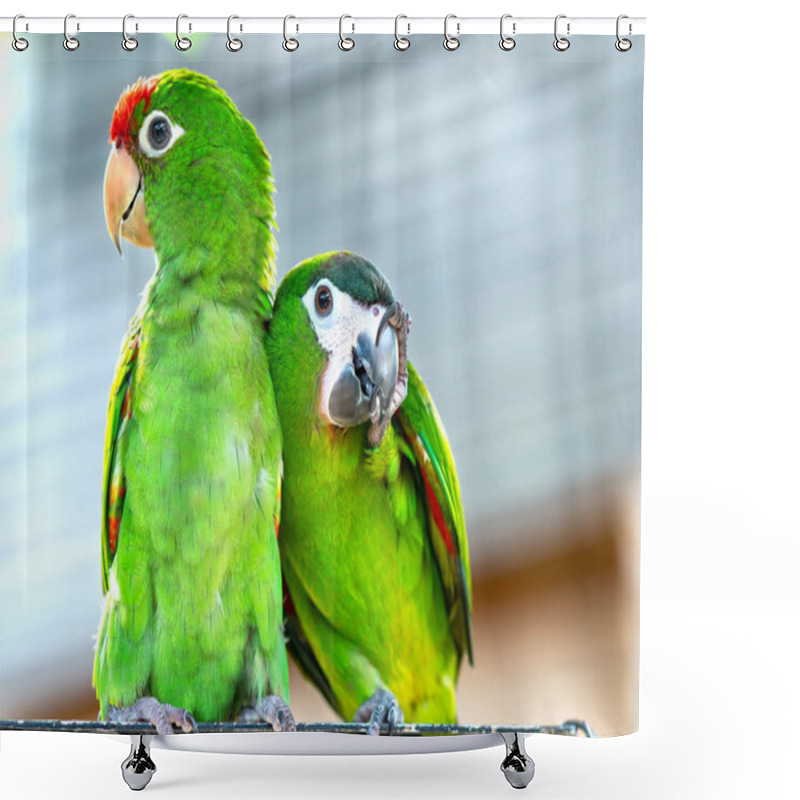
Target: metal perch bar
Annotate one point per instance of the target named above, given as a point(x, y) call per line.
point(568, 728)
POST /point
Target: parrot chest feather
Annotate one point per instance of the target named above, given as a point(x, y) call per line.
point(198, 417)
point(379, 589)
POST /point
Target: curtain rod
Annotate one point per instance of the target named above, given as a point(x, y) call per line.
point(459, 26)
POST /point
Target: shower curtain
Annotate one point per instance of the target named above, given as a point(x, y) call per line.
point(493, 196)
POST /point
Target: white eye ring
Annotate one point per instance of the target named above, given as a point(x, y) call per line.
point(152, 148)
point(340, 303)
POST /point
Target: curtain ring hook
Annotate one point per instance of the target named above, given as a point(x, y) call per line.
point(401, 42)
point(183, 43)
point(345, 42)
point(507, 42)
point(623, 45)
point(289, 45)
point(129, 43)
point(18, 43)
point(233, 44)
point(70, 42)
point(561, 43)
point(451, 43)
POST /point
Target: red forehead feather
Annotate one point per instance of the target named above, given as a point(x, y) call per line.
point(122, 121)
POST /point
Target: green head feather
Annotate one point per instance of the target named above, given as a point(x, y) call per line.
point(351, 273)
point(296, 356)
point(210, 187)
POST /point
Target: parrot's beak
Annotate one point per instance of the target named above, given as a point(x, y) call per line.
point(373, 384)
point(123, 198)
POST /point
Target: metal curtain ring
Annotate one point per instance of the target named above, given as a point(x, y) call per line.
point(289, 45)
point(561, 43)
point(70, 42)
point(18, 43)
point(182, 42)
point(623, 45)
point(128, 42)
point(507, 42)
point(451, 42)
point(233, 44)
point(345, 42)
point(400, 42)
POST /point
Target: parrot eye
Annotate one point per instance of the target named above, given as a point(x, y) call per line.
point(157, 134)
point(323, 301)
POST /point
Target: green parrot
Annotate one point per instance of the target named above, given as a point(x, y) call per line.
point(192, 627)
point(373, 545)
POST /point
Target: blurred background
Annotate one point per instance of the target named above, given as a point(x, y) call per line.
point(501, 195)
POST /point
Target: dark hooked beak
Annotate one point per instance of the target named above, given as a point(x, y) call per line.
point(373, 384)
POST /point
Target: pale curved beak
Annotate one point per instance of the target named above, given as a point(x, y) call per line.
point(123, 199)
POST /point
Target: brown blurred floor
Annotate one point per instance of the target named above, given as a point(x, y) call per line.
point(558, 638)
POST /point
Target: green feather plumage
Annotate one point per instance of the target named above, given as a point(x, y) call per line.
point(191, 487)
point(374, 604)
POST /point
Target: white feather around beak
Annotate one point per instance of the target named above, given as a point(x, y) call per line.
point(337, 332)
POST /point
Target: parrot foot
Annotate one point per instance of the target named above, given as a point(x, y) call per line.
point(379, 710)
point(161, 715)
point(517, 766)
point(271, 709)
point(138, 768)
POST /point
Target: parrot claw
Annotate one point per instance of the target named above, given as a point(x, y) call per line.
point(382, 708)
point(401, 322)
point(273, 710)
point(161, 716)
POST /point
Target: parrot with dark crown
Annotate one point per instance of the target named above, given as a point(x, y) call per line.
point(373, 544)
point(192, 626)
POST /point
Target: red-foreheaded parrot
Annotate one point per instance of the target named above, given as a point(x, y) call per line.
point(192, 627)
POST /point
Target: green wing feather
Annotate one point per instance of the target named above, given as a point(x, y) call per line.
point(418, 423)
point(119, 414)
